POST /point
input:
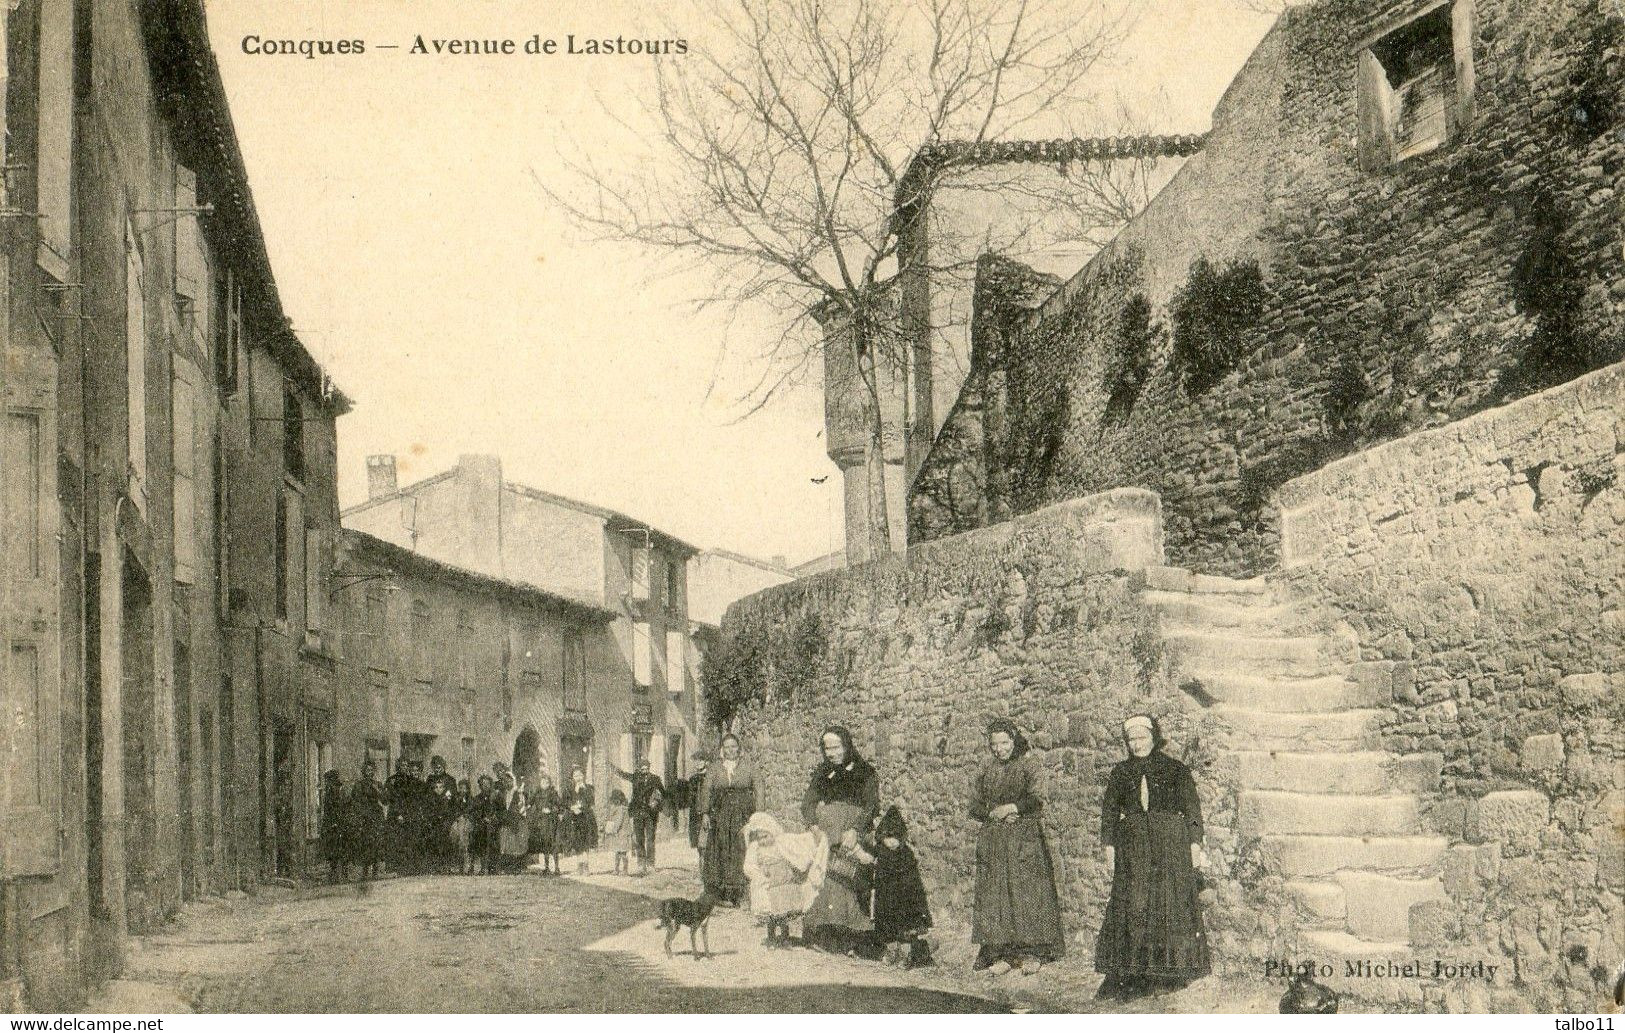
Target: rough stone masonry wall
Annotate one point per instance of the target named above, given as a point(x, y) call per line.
point(1485, 561)
point(1416, 272)
point(1038, 619)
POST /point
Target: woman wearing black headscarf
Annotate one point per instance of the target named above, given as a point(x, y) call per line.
point(842, 798)
point(1151, 826)
point(1017, 919)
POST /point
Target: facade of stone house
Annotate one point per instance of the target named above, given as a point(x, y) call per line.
point(471, 518)
point(162, 423)
point(1405, 212)
point(442, 661)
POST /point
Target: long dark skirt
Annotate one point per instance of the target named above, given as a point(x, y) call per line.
point(1018, 912)
point(578, 833)
point(1153, 923)
point(722, 866)
point(544, 833)
point(843, 900)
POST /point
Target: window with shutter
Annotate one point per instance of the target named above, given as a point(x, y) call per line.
point(642, 658)
point(54, 149)
point(676, 661)
point(135, 365)
point(640, 573)
point(183, 459)
point(1416, 85)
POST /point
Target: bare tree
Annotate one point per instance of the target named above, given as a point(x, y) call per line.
point(788, 145)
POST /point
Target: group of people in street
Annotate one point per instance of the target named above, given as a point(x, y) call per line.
point(853, 879)
point(417, 824)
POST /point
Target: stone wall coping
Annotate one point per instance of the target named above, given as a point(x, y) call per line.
point(1605, 386)
point(1112, 504)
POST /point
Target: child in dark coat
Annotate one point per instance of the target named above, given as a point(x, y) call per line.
point(901, 912)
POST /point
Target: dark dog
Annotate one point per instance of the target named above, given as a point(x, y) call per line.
point(675, 913)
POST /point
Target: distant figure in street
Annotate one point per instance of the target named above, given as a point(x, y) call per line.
point(439, 809)
point(842, 798)
point(692, 795)
point(513, 834)
point(369, 821)
point(580, 800)
point(618, 832)
point(1017, 920)
point(335, 826)
point(732, 795)
point(1151, 938)
point(479, 824)
point(401, 789)
point(461, 829)
point(545, 810)
point(646, 796)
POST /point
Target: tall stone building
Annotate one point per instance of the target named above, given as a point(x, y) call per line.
point(443, 661)
point(169, 507)
point(643, 705)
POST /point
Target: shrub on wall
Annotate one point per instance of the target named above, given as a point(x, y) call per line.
point(1211, 314)
point(1128, 363)
point(761, 660)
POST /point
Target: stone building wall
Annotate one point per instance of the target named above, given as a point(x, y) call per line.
point(1484, 564)
point(1038, 619)
point(1392, 299)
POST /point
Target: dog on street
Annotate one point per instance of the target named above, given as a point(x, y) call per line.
point(676, 913)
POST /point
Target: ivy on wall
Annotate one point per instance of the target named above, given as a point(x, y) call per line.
point(1128, 362)
point(1211, 314)
point(762, 659)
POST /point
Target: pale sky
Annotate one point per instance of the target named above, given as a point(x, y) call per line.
point(425, 269)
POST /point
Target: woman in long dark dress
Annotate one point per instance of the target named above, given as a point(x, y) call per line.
point(369, 821)
point(842, 797)
point(1151, 825)
point(1017, 919)
point(545, 807)
point(580, 802)
point(335, 826)
point(732, 795)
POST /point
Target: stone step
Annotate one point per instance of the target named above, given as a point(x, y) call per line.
point(1178, 579)
point(1326, 814)
point(1299, 655)
point(1378, 907)
point(1303, 856)
point(1308, 733)
point(1222, 611)
point(1361, 771)
point(1283, 694)
point(1323, 902)
point(1368, 972)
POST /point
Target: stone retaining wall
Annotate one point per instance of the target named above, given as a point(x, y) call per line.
point(1483, 564)
point(1038, 619)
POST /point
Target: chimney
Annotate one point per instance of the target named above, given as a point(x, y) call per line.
point(380, 476)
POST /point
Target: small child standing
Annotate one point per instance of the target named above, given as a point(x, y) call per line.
point(785, 872)
point(618, 832)
point(901, 913)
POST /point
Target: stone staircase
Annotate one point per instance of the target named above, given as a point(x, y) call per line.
point(1340, 816)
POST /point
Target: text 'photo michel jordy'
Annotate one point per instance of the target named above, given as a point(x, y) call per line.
point(535, 45)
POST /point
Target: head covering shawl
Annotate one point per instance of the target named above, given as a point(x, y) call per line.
point(1008, 727)
point(807, 853)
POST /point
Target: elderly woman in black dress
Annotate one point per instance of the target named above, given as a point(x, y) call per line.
point(1151, 826)
point(731, 794)
point(842, 798)
point(1017, 921)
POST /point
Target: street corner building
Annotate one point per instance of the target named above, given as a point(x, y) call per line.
point(595, 654)
point(170, 516)
point(1319, 462)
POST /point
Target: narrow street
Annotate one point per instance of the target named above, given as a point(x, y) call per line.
point(518, 943)
point(524, 943)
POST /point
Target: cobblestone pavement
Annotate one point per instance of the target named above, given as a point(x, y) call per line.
point(525, 943)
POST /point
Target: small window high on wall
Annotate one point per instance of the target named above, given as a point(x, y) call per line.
point(1416, 84)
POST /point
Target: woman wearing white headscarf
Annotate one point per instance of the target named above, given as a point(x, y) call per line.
point(1151, 825)
point(785, 872)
